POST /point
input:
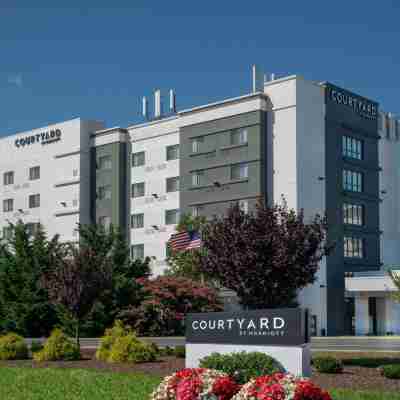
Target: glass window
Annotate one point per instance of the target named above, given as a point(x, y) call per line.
point(352, 181)
point(173, 152)
point(171, 217)
point(8, 205)
point(197, 178)
point(34, 173)
point(353, 214)
point(196, 211)
point(8, 178)
point(32, 228)
point(105, 162)
point(137, 251)
point(104, 192)
point(244, 206)
point(34, 200)
point(352, 148)
point(239, 136)
point(172, 184)
point(138, 159)
point(197, 144)
point(353, 247)
point(137, 221)
point(7, 232)
point(105, 221)
point(138, 189)
point(74, 172)
point(239, 171)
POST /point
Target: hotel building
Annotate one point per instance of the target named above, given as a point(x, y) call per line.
point(324, 148)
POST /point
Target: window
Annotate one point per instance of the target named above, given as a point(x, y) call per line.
point(137, 251)
point(196, 144)
point(138, 189)
point(239, 171)
point(74, 172)
point(105, 221)
point(352, 181)
point(32, 228)
point(244, 206)
point(75, 203)
point(197, 178)
point(353, 214)
point(8, 178)
point(34, 200)
point(137, 221)
point(173, 184)
point(8, 205)
point(104, 192)
point(171, 217)
point(196, 211)
point(7, 232)
point(105, 162)
point(352, 148)
point(173, 152)
point(34, 173)
point(138, 159)
point(353, 247)
point(239, 136)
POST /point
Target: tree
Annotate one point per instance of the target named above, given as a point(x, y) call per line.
point(77, 281)
point(167, 299)
point(124, 291)
point(394, 273)
point(265, 256)
point(24, 305)
point(186, 263)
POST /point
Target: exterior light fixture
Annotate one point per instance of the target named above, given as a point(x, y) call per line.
point(217, 184)
point(155, 195)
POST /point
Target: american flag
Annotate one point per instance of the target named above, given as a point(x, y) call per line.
point(182, 241)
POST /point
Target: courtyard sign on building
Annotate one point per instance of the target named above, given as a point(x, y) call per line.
point(42, 137)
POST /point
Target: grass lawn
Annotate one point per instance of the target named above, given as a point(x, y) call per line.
point(79, 384)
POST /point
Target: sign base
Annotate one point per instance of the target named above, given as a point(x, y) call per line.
point(294, 359)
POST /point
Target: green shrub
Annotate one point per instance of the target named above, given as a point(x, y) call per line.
point(242, 366)
point(180, 351)
point(120, 344)
point(58, 347)
point(328, 365)
point(166, 351)
point(36, 346)
point(391, 371)
point(13, 347)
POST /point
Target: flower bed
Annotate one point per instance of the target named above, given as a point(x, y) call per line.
point(196, 384)
point(281, 387)
point(209, 384)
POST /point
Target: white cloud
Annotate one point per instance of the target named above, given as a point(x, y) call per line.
point(16, 80)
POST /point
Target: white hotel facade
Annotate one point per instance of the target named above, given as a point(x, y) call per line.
point(324, 148)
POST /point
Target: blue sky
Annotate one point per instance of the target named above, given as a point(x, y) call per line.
point(97, 60)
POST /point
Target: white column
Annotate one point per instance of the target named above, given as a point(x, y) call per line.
point(362, 315)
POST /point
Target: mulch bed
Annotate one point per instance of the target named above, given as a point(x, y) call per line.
point(355, 378)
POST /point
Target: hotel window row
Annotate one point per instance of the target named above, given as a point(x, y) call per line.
point(237, 172)
point(353, 214)
point(171, 218)
point(34, 202)
point(353, 247)
point(352, 181)
point(237, 137)
point(352, 148)
point(139, 189)
point(8, 177)
point(171, 153)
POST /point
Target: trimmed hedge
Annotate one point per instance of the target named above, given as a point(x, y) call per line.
point(242, 366)
point(328, 365)
point(391, 371)
point(58, 347)
point(180, 351)
point(13, 347)
point(120, 344)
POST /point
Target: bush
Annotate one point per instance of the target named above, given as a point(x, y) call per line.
point(120, 344)
point(13, 347)
point(36, 346)
point(391, 371)
point(58, 347)
point(328, 365)
point(242, 366)
point(180, 351)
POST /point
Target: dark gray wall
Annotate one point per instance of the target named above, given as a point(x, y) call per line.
point(341, 120)
point(216, 161)
point(118, 177)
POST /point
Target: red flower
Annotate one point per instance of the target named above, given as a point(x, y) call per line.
point(225, 388)
point(188, 388)
point(306, 390)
